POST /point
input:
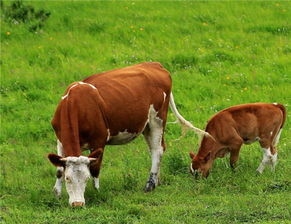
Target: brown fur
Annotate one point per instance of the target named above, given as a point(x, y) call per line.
point(237, 125)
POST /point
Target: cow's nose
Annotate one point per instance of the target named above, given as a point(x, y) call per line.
point(78, 204)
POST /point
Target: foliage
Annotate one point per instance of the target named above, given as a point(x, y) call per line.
point(219, 54)
point(18, 13)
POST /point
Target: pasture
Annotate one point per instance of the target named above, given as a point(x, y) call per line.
point(219, 54)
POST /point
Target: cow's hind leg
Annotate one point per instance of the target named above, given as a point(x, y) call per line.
point(269, 153)
point(154, 137)
point(58, 185)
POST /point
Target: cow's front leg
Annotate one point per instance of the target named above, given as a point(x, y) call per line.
point(58, 185)
point(60, 170)
point(96, 165)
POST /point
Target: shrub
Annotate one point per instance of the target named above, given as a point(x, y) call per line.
point(18, 13)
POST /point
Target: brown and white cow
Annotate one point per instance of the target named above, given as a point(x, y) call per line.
point(237, 125)
point(111, 108)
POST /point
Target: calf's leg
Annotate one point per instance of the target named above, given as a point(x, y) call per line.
point(269, 155)
point(234, 153)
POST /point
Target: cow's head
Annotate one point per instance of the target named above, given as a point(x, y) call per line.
point(76, 175)
point(200, 165)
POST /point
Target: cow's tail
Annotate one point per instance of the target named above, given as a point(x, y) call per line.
point(184, 123)
point(283, 109)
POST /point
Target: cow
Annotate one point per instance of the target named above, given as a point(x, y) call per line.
point(237, 125)
point(111, 108)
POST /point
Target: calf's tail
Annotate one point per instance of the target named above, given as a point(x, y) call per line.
point(283, 109)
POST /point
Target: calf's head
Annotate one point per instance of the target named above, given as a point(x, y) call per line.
point(76, 175)
point(200, 165)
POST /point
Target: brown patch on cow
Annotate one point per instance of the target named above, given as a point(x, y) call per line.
point(56, 160)
point(59, 173)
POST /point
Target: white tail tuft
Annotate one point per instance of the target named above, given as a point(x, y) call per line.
point(186, 124)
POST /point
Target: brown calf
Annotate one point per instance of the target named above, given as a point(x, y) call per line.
point(232, 127)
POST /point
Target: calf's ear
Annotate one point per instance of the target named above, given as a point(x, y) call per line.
point(206, 158)
point(192, 155)
point(56, 160)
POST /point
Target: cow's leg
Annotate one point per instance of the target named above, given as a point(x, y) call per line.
point(58, 185)
point(154, 137)
point(234, 152)
point(96, 165)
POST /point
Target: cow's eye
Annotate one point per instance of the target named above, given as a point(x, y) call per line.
point(68, 179)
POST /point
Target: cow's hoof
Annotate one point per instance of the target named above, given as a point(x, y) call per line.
point(149, 187)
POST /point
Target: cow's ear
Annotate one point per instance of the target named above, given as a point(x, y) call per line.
point(207, 157)
point(96, 153)
point(56, 160)
point(192, 155)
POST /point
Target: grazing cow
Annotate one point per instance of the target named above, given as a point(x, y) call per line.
point(232, 127)
point(111, 108)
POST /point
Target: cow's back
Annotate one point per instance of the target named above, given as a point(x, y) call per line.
point(128, 93)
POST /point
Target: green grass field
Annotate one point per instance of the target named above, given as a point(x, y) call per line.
point(219, 54)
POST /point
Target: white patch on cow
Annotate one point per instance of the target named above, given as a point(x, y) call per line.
point(274, 159)
point(191, 168)
point(69, 91)
point(79, 83)
point(108, 135)
point(76, 176)
point(277, 138)
point(271, 133)
point(96, 182)
point(165, 95)
point(84, 83)
point(122, 137)
point(58, 185)
point(268, 159)
point(275, 103)
point(154, 140)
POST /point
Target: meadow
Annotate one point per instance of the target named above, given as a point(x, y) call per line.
point(219, 54)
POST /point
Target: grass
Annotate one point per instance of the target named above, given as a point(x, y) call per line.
point(219, 54)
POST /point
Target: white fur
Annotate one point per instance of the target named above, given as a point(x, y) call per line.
point(58, 185)
point(191, 168)
point(76, 176)
point(268, 159)
point(122, 137)
point(108, 135)
point(154, 140)
point(165, 95)
point(96, 182)
point(79, 83)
